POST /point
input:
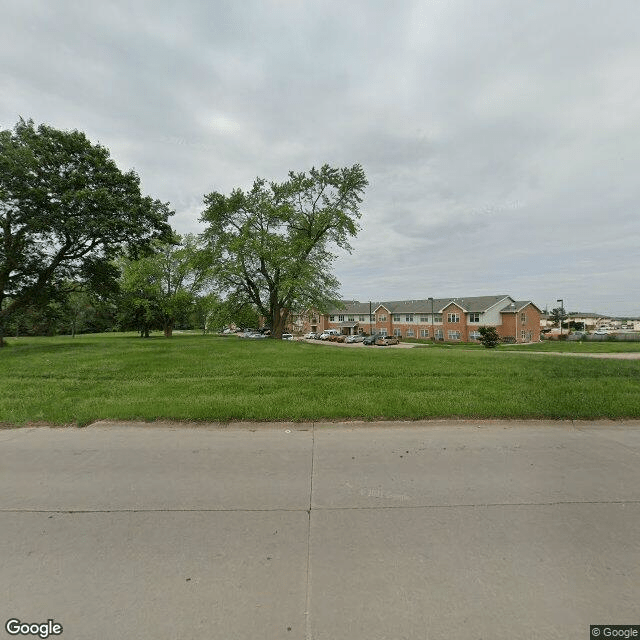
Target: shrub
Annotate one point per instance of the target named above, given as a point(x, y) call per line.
point(489, 337)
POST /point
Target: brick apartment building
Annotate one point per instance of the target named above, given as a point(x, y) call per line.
point(446, 319)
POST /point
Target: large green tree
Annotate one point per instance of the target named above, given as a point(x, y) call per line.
point(273, 244)
point(65, 211)
point(161, 288)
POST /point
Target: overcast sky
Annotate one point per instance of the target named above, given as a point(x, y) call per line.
point(501, 139)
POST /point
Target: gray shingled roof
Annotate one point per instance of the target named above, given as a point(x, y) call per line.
point(518, 306)
point(469, 303)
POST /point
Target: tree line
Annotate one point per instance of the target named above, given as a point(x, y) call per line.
point(81, 248)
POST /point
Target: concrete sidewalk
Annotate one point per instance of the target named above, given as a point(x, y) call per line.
point(326, 531)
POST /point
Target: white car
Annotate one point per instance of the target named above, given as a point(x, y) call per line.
point(287, 336)
point(601, 332)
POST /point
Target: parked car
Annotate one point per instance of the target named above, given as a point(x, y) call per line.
point(601, 332)
point(369, 340)
point(327, 333)
point(383, 341)
point(356, 338)
point(310, 336)
point(287, 336)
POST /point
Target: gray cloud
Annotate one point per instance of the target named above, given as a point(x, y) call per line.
point(500, 139)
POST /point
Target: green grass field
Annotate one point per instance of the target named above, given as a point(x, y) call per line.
point(209, 378)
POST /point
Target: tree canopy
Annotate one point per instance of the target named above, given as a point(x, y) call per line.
point(557, 315)
point(65, 211)
point(162, 287)
point(273, 244)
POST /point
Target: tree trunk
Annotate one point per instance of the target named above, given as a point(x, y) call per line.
point(278, 322)
point(168, 328)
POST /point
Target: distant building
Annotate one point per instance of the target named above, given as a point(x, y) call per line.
point(446, 319)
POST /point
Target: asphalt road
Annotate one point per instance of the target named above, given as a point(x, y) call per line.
point(403, 530)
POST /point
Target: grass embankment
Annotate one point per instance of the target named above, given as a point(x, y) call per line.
point(574, 346)
point(190, 377)
point(558, 346)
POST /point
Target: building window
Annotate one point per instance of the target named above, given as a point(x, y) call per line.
point(453, 335)
point(474, 317)
point(382, 318)
point(408, 317)
point(424, 333)
point(332, 318)
point(475, 335)
point(397, 333)
point(372, 318)
point(439, 334)
point(410, 333)
point(383, 332)
point(453, 317)
point(424, 319)
point(523, 318)
point(340, 318)
point(360, 318)
point(396, 317)
point(351, 318)
point(523, 335)
point(437, 317)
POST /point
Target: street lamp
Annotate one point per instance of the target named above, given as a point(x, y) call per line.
point(561, 301)
point(432, 334)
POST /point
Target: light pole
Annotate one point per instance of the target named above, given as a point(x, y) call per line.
point(370, 317)
point(432, 334)
point(561, 301)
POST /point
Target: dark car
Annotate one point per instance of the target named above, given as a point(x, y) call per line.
point(370, 339)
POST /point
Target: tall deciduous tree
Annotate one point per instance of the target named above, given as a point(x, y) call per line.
point(162, 287)
point(273, 244)
point(65, 211)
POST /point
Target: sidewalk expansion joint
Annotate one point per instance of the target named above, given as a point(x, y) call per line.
point(480, 505)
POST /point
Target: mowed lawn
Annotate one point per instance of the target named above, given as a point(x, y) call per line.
point(210, 378)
